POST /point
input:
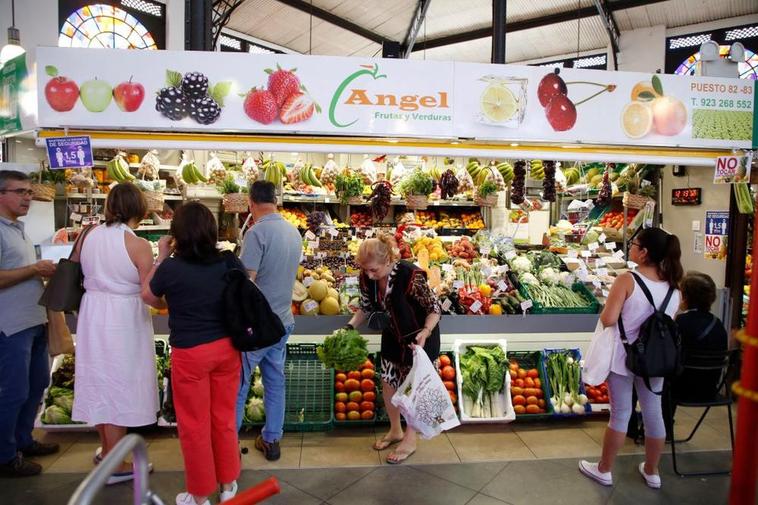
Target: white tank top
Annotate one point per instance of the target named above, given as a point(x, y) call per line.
point(635, 311)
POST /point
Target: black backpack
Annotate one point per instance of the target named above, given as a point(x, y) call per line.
point(657, 352)
point(248, 317)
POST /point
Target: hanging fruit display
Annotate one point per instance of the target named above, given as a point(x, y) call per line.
point(519, 179)
point(604, 197)
point(548, 184)
point(380, 199)
point(448, 184)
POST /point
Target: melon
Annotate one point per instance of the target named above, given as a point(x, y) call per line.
point(318, 290)
point(330, 306)
point(299, 292)
point(332, 293)
point(309, 308)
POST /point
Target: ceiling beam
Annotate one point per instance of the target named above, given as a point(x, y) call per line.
point(416, 22)
point(327, 16)
point(609, 22)
point(526, 24)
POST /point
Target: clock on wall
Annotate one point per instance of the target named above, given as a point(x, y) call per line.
point(686, 196)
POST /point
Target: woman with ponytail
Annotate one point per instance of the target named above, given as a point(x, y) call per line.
point(396, 299)
point(658, 255)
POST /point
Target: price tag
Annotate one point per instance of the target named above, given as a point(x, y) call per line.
point(504, 269)
point(526, 305)
point(573, 254)
point(645, 183)
point(586, 253)
point(605, 293)
point(502, 286)
point(593, 246)
point(344, 255)
point(582, 275)
point(486, 271)
point(351, 281)
point(75, 217)
point(369, 233)
point(485, 251)
point(313, 244)
point(447, 304)
point(602, 271)
point(597, 284)
point(310, 306)
point(436, 203)
point(308, 281)
point(309, 235)
point(619, 254)
point(321, 255)
point(602, 238)
point(327, 200)
point(448, 268)
point(510, 255)
point(476, 306)
point(333, 232)
point(610, 246)
point(602, 260)
point(631, 264)
point(458, 284)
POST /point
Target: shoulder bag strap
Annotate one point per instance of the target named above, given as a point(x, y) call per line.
point(645, 289)
point(79, 243)
point(707, 329)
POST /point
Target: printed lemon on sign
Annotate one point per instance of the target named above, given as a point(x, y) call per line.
point(636, 120)
point(498, 103)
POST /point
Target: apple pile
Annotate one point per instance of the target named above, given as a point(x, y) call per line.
point(355, 393)
point(191, 95)
point(361, 220)
point(284, 98)
point(62, 93)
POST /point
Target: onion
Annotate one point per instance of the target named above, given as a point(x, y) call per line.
point(577, 409)
point(582, 399)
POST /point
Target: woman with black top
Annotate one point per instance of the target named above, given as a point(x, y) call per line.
point(205, 367)
point(396, 298)
point(700, 331)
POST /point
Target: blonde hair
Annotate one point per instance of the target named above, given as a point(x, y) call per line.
point(382, 249)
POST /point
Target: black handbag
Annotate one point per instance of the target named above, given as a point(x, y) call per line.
point(64, 290)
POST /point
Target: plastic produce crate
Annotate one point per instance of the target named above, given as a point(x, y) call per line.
point(459, 349)
point(309, 385)
point(592, 308)
point(529, 360)
point(577, 355)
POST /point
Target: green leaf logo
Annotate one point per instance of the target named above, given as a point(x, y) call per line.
point(657, 86)
point(51, 71)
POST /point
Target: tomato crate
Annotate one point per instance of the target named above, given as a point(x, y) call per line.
point(529, 360)
point(577, 355)
point(308, 384)
point(578, 287)
point(453, 387)
point(361, 394)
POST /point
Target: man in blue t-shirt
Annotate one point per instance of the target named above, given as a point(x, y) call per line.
point(271, 254)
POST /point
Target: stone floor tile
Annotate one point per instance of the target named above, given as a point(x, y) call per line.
point(438, 450)
point(339, 448)
point(471, 475)
point(568, 442)
point(322, 483)
point(489, 444)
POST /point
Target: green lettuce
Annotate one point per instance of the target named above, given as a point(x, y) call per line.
point(343, 350)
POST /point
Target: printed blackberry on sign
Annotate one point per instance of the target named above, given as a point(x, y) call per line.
point(171, 103)
point(191, 95)
point(195, 85)
point(205, 110)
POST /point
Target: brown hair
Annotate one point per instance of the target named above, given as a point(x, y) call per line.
point(12, 175)
point(698, 290)
point(382, 249)
point(124, 203)
point(664, 251)
point(195, 233)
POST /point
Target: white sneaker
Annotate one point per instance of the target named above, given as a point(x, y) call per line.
point(591, 471)
point(652, 481)
point(188, 499)
point(228, 495)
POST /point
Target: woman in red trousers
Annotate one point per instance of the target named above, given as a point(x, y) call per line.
point(205, 367)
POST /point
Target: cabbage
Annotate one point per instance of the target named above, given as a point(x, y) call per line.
point(64, 400)
point(257, 388)
point(254, 410)
point(521, 264)
point(529, 279)
point(567, 279)
point(55, 415)
point(550, 276)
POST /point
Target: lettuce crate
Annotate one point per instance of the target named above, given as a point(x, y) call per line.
point(505, 410)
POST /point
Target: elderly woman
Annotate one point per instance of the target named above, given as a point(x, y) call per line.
point(396, 298)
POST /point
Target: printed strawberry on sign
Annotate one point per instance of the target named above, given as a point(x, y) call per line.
point(284, 98)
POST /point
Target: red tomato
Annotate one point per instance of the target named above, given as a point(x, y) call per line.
point(449, 385)
point(519, 400)
point(367, 385)
point(444, 360)
point(448, 373)
point(533, 373)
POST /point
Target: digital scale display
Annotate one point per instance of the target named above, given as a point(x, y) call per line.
point(686, 196)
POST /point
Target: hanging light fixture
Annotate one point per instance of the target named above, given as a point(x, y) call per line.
point(13, 47)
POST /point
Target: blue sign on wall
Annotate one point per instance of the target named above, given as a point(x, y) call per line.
point(69, 152)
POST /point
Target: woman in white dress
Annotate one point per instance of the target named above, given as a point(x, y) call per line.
point(116, 385)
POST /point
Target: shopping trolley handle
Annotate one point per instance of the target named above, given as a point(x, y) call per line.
point(257, 493)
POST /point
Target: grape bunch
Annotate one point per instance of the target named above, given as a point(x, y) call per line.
point(604, 197)
point(379, 201)
point(518, 185)
point(548, 183)
point(314, 220)
point(448, 185)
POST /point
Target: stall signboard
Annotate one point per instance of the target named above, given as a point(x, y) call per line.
point(732, 169)
point(320, 95)
point(12, 76)
point(69, 152)
point(716, 233)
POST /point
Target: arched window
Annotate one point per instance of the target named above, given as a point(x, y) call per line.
point(104, 26)
point(748, 69)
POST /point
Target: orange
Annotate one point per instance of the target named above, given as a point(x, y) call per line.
point(339, 386)
point(369, 396)
point(354, 375)
point(367, 406)
point(341, 397)
point(352, 385)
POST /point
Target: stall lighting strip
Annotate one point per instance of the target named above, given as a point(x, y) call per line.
point(361, 145)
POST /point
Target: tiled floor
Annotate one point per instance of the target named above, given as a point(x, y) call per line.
point(473, 464)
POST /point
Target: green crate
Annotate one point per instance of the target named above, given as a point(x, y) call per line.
point(309, 384)
point(592, 308)
point(528, 360)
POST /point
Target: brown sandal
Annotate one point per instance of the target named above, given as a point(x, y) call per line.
point(385, 442)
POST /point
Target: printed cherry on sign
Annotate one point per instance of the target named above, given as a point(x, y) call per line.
point(284, 98)
point(560, 110)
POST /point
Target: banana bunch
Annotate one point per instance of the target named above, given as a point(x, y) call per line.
point(477, 172)
point(435, 173)
point(308, 176)
point(118, 169)
point(191, 174)
point(273, 171)
point(572, 175)
point(506, 170)
point(536, 171)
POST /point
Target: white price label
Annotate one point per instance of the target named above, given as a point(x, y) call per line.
point(573, 254)
point(333, 232)
point(610, 246)
point(586, 254)
point(605, 293)
point(321, 255)
point(369, 233)
point(436, 203)
point(486, 271)
point(582, 275)
point(458, 284)
point(504, 269)
point(476, 306)
point(526, 305)
point(602, 271)
point(619, 254)
point(447, 304)
point(602, 260)
point(593, 246)
point(448, 268)
point(310, 305)
point(510, 255)
point(313, 244)
point(645, 183)
point(631, 264)
point(597, 284)
point(485, 251)
point(602, 238)
point(502, 286)
point(327, 200)
point(309, 235)
point(75, 217)
point(308, 281)
point(351, 281)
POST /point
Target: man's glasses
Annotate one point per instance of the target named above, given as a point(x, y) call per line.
point(19, 191)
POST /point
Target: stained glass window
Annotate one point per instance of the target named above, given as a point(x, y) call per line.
point(105, 26)
point(748, 69)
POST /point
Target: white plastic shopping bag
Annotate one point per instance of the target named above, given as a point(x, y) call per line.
point(423, 400)
point(597, 361)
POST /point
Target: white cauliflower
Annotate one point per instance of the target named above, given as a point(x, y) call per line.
point(550, 276)
point(521, 264)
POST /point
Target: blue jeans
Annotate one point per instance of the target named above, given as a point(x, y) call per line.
point(24, 375)
point(271, 362)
